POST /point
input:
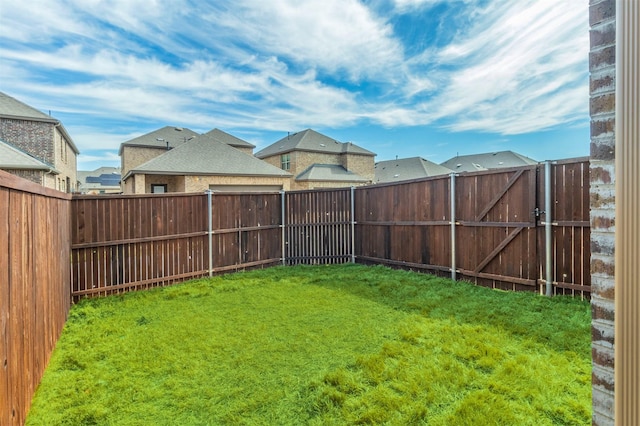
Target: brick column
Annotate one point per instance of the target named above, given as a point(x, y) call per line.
point(602, 61)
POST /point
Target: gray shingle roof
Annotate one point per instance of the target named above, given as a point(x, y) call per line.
point(310, 140)
point(406, 169)
point(158, 138)
point(329, 172)
point(225, 137)
point(16, 159)
point(12, 108)
point(487, 161)
point(204, 155)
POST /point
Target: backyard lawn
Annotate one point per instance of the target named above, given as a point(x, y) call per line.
point(319, 345)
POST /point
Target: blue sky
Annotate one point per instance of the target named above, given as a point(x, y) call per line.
point(402, 78)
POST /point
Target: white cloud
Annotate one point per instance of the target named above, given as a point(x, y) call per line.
point(332, 35)
point(521, 67)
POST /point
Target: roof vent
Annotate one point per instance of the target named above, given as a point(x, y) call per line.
point(396, 175)
point(458, 165)
point(322, 144)
point(178, 129)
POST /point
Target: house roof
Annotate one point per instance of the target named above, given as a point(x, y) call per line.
point(486, 161)
point(102, 177)
point(205, 155)
point(310, 140)
point(14, 109)
point(225, 137)
point(15, 159)
point(406, 169)
point(158, 138)
point(329, 172)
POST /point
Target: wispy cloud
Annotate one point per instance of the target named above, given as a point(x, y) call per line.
point(284, 65)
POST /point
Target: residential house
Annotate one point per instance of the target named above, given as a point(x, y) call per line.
point(43, 138)
point(487, 161)
point(318, 161)
point(139, 150)
point(402, 169)
point(202, 162)
point(103, 180)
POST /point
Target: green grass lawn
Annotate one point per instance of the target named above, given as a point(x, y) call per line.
point(320, 345)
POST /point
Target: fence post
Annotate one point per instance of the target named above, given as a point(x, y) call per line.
point(548, 229)
point(453, 225)
point(353, 225)
point(210, 230)
point(282, 225)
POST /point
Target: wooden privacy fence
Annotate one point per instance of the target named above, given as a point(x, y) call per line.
point(34, 287)
point(497, 238)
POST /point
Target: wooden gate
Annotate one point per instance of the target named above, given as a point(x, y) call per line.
point(496, 242)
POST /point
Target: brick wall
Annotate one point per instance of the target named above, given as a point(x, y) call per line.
point(34, 137)
point(35, 176)
point(363, 165)
point(133, 156)
point(602, 109)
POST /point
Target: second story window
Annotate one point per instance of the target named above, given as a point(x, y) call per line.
point(285, 161)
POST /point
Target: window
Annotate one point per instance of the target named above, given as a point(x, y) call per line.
point(285, 161)
point(158, 188)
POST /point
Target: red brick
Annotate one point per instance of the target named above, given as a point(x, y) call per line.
point(602, 104)
point(600, 222)
point(600, 175)
point(600, 127)
point(603, 151)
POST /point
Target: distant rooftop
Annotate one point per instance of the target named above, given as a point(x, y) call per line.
point(407, 169)
point(329, 173)
point(205, 155)
point(12, 108)
point(310, 140)
point(487, 161)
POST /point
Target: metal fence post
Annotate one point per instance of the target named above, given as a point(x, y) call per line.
point(453, 225)
point(548, 228)
point(209, 192)
point(353, 225)
point(282, 225)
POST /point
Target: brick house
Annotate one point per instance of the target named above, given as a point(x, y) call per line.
point(40, 137)
point(318, 161)
point(199, 163)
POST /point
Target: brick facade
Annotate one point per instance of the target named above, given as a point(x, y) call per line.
point(602, 68)
point(34, 137)
point(44, 141)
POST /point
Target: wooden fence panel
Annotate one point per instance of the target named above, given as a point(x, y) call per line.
point(405, 224)
point(34, 287)
point(571, 227)
point(247, 230)
point(136, 242)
